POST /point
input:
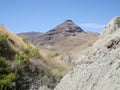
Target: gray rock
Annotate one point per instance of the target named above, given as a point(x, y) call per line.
point(97, 68)
point(112, 26)
point(113, 43)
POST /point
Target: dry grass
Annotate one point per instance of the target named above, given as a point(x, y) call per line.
point(16, 40)
point(54, 64)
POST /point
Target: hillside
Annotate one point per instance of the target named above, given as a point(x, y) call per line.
point(65, 39)
point(97, 68)
point(66, 34)
point(24, 67)
point(30, 36)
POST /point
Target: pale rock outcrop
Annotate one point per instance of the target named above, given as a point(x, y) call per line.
point(97, 68)
point(112, 26)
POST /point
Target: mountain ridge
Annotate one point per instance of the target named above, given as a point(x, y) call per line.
point(63, 33)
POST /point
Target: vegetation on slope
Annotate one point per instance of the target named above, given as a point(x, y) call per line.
point(21, 65)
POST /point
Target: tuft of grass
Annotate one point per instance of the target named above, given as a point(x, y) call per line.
point(34, 52)
point(53, 55)
point(24, 40)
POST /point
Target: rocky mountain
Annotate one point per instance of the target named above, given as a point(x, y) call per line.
point(25, 67)
point(97, 68)
point(64, 37)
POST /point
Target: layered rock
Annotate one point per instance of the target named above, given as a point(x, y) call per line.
point(97, 68)
point(67, 26)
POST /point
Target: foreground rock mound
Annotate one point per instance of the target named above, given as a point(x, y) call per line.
point(97, 68)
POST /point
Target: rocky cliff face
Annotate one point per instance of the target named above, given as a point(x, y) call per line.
point(97, 68)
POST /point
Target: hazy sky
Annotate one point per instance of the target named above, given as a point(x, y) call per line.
point(42, 15)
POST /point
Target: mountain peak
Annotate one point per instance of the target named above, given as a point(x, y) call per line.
point(112, 26)
point(66, 26)
point(69, 20)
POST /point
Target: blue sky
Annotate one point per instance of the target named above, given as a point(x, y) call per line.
point(43, 15)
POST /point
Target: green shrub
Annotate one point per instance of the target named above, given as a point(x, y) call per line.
point(21, 58)
point(3, 37)
point(30, 51)
point(24, 40)
point(4, 68)
point(6, 77)
point(4, 47)
point(6, 81)
point(34, 52)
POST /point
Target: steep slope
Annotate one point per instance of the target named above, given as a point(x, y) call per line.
point(13, 39)
point(97, 68)
point(23, 66)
